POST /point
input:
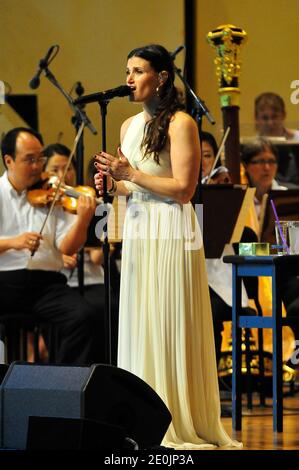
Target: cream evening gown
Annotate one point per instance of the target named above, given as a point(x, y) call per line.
point(165, 331)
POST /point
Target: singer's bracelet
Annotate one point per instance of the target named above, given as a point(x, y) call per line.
point(113, 188)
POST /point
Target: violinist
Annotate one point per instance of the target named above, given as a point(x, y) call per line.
point(56, 156)
point(209, 149)
point(34, 284)
point(219, 273)
point(94, 293)
point(212, 171)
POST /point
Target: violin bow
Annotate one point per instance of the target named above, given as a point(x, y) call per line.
point(219, 152)
point(56, 192)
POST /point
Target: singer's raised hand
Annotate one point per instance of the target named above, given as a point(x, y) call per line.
point(117, 167)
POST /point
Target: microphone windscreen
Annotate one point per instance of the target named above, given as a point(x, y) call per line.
point(34, 83)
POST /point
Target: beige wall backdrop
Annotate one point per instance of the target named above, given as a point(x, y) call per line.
point(94, 38)
point(96, 35)
point(270, 58)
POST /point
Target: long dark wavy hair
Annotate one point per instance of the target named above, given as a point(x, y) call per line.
point(156, 130)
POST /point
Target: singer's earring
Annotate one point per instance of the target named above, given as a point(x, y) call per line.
point(158, 90)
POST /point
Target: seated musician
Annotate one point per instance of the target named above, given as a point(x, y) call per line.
point(94, 293)
point(270, 114)
point(260, 162)
point(212, 171)
point(30, 262)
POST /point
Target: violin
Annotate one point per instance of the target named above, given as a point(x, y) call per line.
point(41, 194)
point(220, 175)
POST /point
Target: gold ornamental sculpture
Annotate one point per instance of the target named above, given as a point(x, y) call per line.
point(228, 40)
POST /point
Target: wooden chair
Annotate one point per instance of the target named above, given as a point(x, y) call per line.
point(16, 330)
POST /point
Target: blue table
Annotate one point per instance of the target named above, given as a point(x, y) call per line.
point(278, 268)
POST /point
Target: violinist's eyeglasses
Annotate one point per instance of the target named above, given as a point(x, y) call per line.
point(263, 161)
point(32, 160)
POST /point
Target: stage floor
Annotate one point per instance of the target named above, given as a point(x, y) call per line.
point(257, 428)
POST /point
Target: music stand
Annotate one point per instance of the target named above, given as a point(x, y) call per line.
point(225, 209)
point(26, 107)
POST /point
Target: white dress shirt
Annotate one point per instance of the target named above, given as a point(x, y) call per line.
point(258, 205)
point(18, 216)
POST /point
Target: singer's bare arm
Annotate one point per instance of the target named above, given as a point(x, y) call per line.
point(185, 159)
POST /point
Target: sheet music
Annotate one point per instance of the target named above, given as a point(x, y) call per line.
point(248, 202)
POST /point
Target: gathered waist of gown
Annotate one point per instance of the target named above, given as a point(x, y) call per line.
point(150, 197)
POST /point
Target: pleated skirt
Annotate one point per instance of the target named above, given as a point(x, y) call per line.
point(166, 332)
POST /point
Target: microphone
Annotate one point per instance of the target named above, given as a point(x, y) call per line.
point(43, 63)
point(176, 51)
point(122, 90)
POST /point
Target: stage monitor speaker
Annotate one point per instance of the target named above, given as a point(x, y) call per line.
point(46, 433)
point(100, 392)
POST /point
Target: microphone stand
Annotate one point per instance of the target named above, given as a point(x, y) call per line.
point(76, 109)
point(80, 180)
point(106, 246)
point(78, 118)
point(198, 112)
point(76, 121)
